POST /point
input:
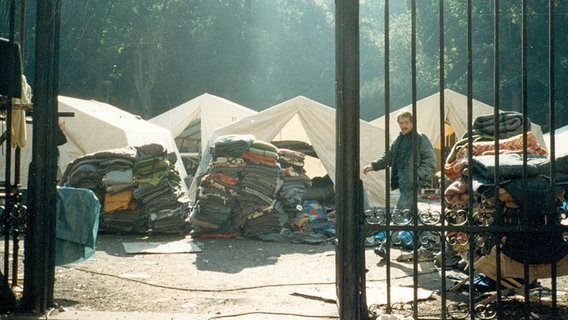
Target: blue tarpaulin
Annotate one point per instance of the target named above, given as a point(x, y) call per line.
point(78, 212)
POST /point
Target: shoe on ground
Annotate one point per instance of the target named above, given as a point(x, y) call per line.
point(423, 255)
point(451, 260)
point(381, 251)
point(462, 265)
point(370, 242)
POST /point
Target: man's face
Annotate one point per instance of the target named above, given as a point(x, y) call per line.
point(405, 125)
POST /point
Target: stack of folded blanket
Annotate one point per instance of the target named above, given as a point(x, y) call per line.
point(239, 191)
point(252, 188)
point(158, 191)
point(139, 188)
point(217, 209)
point(216, 206)
point(521, 182)
point(101, 172)
point(262, 179)
point(295, 181)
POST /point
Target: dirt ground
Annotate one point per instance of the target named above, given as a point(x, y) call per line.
point(238, 279)
point(228, 276)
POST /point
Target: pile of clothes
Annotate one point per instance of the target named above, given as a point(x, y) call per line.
point(295, 184)
point(521, 182)
point(139, 188)
point(216, 209)
point(251, 188)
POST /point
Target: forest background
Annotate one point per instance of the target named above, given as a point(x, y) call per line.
point(149, 56)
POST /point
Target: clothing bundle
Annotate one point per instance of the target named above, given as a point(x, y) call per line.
point(217, 207)
point(521, 182)
point(533, 199)
point(158, 192)
point(292, 162)
point(509, 123)
point(139, 188)
point(255, 193)
point(259, 185)
point(295, 184)
point(233, 145)
point(485, 145)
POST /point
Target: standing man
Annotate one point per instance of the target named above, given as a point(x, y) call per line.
point(401, 161)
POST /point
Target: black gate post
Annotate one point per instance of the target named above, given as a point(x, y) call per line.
point(39, 243)
point(350, 250)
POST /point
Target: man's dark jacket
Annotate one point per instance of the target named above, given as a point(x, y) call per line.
point(425, 164)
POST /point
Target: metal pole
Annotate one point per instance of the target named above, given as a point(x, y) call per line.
point(442, 86)
point(8, 157)
point(350, 257)
point(552, 126)
point(40, 236)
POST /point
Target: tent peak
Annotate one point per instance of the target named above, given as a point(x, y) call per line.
point(301, 101)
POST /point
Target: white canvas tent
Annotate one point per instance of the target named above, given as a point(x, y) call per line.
point(560, 137)
point(456, 119)
point(98, 126)
point(195, 120)
point(306, 120)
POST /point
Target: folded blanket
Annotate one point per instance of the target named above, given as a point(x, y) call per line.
point(267, 161)
point(228, 162)
point(118, 177)
point(456, 192)
point(510, 166)
point(223, 178)
point(291, 158)
point(232, 145)
point(263, 145)
point(149, 151)
point(510, 123)
point(262, 152)
point(510, 145)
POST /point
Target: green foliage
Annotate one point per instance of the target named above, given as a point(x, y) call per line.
point(147, 56)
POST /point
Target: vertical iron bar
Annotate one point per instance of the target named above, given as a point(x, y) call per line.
point(16, 199)
point(53, 123)
point(442, 78)
point(552, 126)
point(22, 33)
point(469, 151)
point(524, 175)
point(22, 28)
point(496, 107)
point(40, 237)
point(414, 156)
point(387, 150)
point(350, 273)
point(15, 240)
point(9, 201)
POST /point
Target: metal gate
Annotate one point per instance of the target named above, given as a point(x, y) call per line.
point(501, 218)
